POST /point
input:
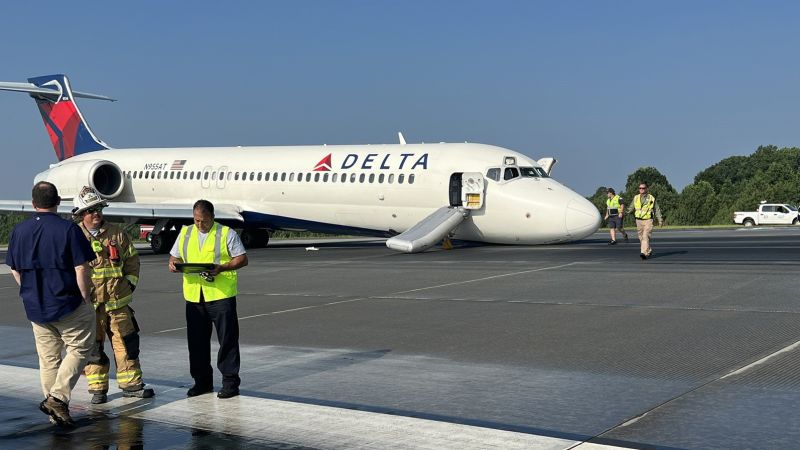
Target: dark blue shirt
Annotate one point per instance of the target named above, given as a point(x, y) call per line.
point(45, 250)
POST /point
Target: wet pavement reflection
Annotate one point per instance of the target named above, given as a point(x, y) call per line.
point(23, 426)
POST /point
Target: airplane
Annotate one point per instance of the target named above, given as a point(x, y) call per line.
point(417, 195)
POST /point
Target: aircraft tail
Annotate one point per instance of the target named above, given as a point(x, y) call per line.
point(68, 130)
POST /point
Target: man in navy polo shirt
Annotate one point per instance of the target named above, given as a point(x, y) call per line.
point(49, 259)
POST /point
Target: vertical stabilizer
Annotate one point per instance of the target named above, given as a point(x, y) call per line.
point(68, 130)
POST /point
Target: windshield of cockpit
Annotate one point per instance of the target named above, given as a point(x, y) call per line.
point(512, 173)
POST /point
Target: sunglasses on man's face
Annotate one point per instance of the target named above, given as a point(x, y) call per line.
point(94, 210)
point(642, 188)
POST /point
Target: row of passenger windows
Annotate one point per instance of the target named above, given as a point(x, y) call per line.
point(271, 176)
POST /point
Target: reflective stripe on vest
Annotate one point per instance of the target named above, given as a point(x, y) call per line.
point(107, 272)
point(644, 211)
point(224, 284)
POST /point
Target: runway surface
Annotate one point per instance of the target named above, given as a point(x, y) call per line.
point(571, 346)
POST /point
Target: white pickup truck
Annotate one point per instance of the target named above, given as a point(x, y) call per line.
point(768, 214)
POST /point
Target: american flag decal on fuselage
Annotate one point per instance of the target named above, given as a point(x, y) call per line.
point(178, 164)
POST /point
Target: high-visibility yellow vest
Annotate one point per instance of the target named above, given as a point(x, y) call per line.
point(613, 204)
point(644, 210)
point(214, 250)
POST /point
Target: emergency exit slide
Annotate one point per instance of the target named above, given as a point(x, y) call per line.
point(429, 230)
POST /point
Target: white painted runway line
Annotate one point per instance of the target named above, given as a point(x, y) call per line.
point(290, 422)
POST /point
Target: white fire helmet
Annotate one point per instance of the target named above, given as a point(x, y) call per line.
point(86, 199)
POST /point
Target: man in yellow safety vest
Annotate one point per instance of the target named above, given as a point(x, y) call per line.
point(210, 298)
point(615, 207)
point(645, 209)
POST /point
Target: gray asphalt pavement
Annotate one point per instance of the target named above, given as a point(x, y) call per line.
point(694, 348)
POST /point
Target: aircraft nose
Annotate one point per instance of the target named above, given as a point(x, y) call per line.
point(581, 217)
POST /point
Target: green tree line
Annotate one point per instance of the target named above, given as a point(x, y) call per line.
point(8, 220)
point(737, 183)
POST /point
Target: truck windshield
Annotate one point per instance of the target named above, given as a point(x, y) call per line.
point(791, 207)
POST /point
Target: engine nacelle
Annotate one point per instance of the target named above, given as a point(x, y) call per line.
point(70, 177)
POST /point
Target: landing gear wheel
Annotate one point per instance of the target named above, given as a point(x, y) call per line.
point(162, 242)
point(255, 238)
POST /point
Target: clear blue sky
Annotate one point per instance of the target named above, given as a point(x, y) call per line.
point(604, 86)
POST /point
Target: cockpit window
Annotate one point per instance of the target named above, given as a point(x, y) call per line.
point(493, 174)
point(533, 172)
point(510, 173)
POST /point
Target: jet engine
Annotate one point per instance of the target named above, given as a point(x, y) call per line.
point(70, 177)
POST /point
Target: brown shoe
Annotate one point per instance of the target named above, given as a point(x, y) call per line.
point(57, 410)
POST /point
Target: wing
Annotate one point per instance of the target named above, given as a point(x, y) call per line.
point(137, 210)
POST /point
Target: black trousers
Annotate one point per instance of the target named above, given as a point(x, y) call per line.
point(199, 319)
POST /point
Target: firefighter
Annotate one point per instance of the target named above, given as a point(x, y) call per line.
point(114, 273)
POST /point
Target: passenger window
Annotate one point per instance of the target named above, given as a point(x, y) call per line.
point(510, 173)
point(400, 178)
point(493, 174)
point(213, 175)
point(252, 176)
point(258, 177)
point(205, 175)
point(283, 176)
point(185, 174)
point(391, 178)
point(316, 177)
point(411, 179)
point(222, 176)
point(325, 178)
point(147, 175)
point(380, 178)
point(266, 176)
point(352, 178)
point(158, 175)
point(291, 176)
point(372, 178)
point(236, 176)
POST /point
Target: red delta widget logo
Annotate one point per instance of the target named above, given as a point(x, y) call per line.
point(375, 161)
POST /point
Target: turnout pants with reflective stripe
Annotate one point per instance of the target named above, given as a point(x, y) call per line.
point(123, 332)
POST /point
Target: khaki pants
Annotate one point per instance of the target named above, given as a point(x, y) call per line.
point(644, 228)
point(123, 335)
point(73, 333)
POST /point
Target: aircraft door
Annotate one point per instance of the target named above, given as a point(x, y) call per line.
point(205, 177)
point(223, 174)
point(472, 190)
point(455, 189)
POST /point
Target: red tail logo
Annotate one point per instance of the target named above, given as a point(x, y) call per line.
point(324, 165)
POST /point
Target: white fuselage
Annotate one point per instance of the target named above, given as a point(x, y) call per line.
point(278, 188)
